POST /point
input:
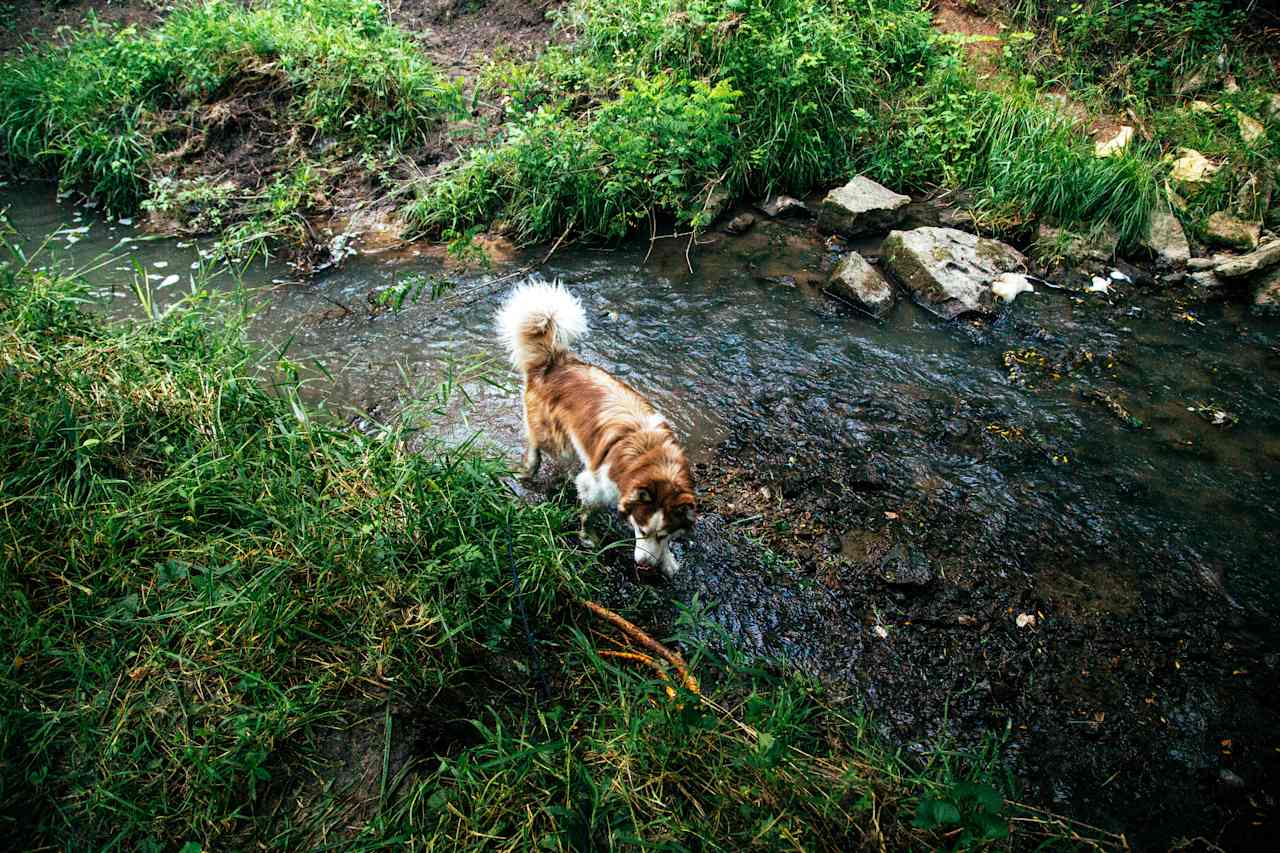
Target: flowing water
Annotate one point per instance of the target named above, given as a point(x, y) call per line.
point(884, 501)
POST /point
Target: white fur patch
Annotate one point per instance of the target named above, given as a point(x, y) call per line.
point(596, 488)
point(656, 420)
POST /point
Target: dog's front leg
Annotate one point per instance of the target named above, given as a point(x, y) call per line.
point(670, 565)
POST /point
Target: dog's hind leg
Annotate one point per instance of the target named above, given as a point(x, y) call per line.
point(532, 462)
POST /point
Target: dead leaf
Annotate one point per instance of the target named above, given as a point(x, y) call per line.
point(890, 515)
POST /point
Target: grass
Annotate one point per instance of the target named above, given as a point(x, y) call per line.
point(233, 623)
point(1182, 73)
point(112, 112)
point(813, 92)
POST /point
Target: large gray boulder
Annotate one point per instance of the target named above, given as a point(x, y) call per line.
point(861, 207)
point(1166, 239)
point(856, 281)
point(950, 272)
point(1263, 258)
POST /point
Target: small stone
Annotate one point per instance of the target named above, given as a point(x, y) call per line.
point(1192, 167)
point(782, 205)
point(159, 264)
point(740, 224)
point(1116, 144)
point(1116, 275)
point(1265, 257)
point(1266, 297)
point(861, 207)
point(169, 281)
point(125, 221)
point(858, 282)
point(880, 632)
point(1251, 130)
point(1226, 230)
point(1230, 780)
point(1025, 620)
point(1273, 106)
point(1098, 284)
point(1166, 240)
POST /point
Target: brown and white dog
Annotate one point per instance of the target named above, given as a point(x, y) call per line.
point(629, 454)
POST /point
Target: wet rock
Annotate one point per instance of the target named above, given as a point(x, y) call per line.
point(1266, 297)
point(860, 283)
point(1192, 168)
point(950, 272)
point(1223, 229)
point(1166, 240)
point(782, 205)
point(904, 566)
point(861, 207)
point(740, 224)
point(1264, 258)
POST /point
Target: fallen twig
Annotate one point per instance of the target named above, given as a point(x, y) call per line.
point(643, 639)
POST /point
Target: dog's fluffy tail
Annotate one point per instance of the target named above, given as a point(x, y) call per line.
point(539, 322)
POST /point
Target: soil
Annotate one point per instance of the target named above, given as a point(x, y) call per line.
point(27, 22)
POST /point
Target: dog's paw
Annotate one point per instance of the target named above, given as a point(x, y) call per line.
point(670, 567)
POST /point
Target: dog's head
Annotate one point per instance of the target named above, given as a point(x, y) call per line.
point(660, 510)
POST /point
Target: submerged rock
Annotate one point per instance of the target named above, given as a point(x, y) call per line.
point(1166, 240)
point(861, 207)
point(1226, 230)
point(1206, 286)
point(860, 283)
point(1264, 258)
point(950, 272)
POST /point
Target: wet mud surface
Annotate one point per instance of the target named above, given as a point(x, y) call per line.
point(1060, 524)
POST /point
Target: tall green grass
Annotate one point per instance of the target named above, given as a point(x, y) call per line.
point(222, 612)
point(100, 109)
point(817, 90)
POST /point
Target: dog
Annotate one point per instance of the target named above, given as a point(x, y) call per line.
point(629, 454)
